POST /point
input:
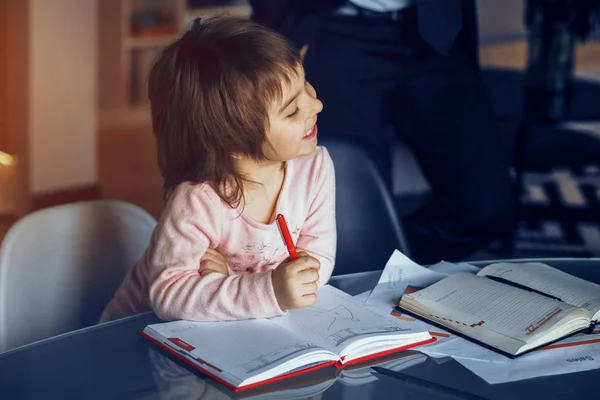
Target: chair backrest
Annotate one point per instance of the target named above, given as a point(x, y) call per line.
point(368, 228)
point(61, 265)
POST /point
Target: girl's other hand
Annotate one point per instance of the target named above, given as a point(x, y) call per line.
point(213, 261)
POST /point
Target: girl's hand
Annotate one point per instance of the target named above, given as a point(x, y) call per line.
point(213, 261)
point(295, 282)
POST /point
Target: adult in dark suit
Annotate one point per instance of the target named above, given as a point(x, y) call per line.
point(408, 68)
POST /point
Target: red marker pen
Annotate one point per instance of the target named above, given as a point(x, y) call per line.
point(287, 238)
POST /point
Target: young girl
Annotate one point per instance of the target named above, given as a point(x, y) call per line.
point(235, 126)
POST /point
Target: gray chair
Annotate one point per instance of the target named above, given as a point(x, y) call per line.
point(410, 188)
point(60, 266)
point(368, 228)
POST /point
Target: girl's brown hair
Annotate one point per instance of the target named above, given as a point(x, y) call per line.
point(210, 92)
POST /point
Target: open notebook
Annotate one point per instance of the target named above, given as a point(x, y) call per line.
point(512, 308)
point(336, 331)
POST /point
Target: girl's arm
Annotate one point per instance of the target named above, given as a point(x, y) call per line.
point(191, 223)
point(318, 236)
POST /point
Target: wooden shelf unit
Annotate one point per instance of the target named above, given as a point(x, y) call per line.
point(125, 58)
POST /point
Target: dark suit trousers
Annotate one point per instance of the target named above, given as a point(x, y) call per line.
point(378, 79)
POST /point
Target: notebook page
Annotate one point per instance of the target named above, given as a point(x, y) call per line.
point(240, 348)
point(469, 302)
point(336, 319)
point(543, 278)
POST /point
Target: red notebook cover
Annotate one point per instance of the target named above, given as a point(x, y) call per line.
point(337, 364)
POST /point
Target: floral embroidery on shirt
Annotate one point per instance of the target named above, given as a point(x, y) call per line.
point(261, 247)
point(248, 248)
point(296, 232)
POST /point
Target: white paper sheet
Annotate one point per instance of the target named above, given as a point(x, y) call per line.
point(362, 297)
point(576, 354)
point(399, 273)
point(449, 268)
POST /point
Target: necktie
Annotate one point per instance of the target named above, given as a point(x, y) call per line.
point(439, 22)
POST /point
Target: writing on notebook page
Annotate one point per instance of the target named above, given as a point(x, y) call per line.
point(508, 308)
point(259, 363)
point(271, 344)
point(338, 313)
point(338, 326)
point(335, 318)
point(334, 325)
point(569, 289)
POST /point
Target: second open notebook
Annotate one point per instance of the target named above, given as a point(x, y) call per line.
point(336, 330)
point(511, 308)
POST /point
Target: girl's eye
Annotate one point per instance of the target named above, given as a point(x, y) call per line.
point(292, 115)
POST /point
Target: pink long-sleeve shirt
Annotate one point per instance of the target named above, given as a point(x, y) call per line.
point(167, 280)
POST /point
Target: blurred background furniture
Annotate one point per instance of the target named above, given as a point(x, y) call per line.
point(60, 266)
point(544, 109)
point(137, 32)
point(554, 147)
point(368, 227)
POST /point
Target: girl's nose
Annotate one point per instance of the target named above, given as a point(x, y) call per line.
point(316, 105)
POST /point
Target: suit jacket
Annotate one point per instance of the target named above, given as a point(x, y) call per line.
point(299, 20)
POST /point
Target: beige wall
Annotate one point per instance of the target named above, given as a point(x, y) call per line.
point(14, 67)
point(62, 93)
point(500, 20)
point(4, 138)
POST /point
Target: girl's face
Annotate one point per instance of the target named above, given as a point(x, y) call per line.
point(293, 129)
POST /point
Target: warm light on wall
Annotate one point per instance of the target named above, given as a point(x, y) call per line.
point(7, 159)
point(8, 176)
